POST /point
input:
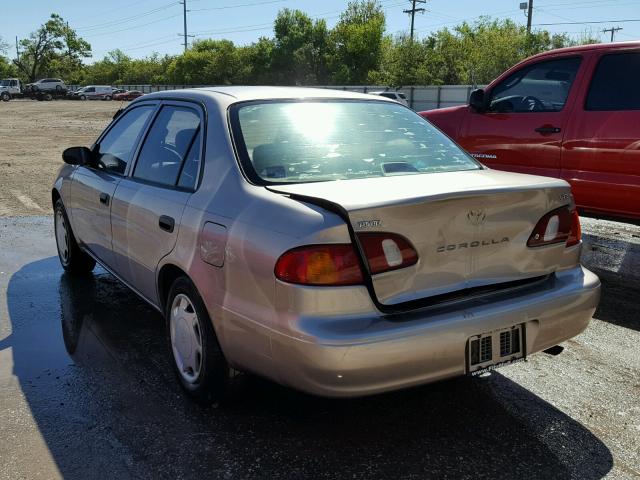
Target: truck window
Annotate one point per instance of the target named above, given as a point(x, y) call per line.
point(615, 83)
point(541, 87)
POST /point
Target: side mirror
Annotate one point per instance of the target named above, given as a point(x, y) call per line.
point(476, 100)
point(77, 156)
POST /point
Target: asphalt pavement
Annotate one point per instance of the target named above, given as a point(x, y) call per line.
point(86, 391)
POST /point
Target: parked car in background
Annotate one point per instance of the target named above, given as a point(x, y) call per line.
point(128, 95)
point(572, 113)
point(331, 241)
point(47, 85)
point(397, 96)
point(93, 92)
point(116, 91)
point(14, 88)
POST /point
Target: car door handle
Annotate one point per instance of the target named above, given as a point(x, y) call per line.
point(548, 129)
point(166, 223)
point(104, 198)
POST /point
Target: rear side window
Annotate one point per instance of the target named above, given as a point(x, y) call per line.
point(173, 137)
point(541, 87)
point(616, 83)
point(117, 146)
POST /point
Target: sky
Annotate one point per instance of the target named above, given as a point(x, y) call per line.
point(142, 27)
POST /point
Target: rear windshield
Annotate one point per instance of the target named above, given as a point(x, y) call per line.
point(310, 141)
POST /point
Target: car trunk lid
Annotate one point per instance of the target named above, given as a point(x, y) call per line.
point(470, 229)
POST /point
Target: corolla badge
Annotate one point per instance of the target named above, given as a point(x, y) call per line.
point(476, 216)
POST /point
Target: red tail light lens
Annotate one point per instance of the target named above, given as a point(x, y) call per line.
point(555, 227)
point(387, 251)
point(329, 265)
point(576, 232)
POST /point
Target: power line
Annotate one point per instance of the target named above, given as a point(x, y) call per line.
point(239, 6)
point(412, 11)
point(588, 23)
point(112, 23)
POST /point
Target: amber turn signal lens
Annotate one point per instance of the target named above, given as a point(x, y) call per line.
point(329, 265)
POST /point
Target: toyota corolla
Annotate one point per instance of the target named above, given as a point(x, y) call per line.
point(331, 241)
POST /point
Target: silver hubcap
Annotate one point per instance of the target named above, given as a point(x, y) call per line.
point(62, 237)
point(186, 338)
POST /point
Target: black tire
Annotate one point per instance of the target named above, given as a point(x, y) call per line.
point(83, 97)
point(108, 97)
point(213, 383)
point(75, 261)
point(48, 97)
point(5, 97)
point(59, 87)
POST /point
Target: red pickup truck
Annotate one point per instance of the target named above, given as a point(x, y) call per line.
point(571, 113)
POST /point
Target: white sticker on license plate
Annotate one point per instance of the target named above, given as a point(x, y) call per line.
point(488, 351)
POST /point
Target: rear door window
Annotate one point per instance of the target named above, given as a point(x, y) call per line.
point(541, 87)
point(616, 83)
point(117, 147)
point(170, 154)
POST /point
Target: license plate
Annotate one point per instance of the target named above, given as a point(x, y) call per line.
point(488, 351)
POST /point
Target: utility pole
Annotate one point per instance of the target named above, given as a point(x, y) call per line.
point(17, 50)
point(613, 30)
point(184, 4)
point(413, 11)
point(529, 16)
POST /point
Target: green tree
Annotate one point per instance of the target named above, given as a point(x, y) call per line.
point(300, 49)
point(53, 49)
point(6, 68)
point(209, 62)
point(357, 42)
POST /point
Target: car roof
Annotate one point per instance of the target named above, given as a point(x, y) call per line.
point(233, 94)
point(591, 46)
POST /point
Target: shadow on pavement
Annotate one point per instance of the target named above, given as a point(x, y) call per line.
point(108, 404)
point(617, 263)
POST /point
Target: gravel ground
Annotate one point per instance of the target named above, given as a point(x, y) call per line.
point(34, 134)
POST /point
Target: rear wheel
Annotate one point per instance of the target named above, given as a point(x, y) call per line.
point(48, 97)
point(5, 97)
point(200, 365)
point(72, 259)
point(83, 97)
point(108, 97)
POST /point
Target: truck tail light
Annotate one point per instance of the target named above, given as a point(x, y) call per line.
point(387, 251)
point(329, 265)
point(561, 225)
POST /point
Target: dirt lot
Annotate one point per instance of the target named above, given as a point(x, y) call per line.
point(32, 137)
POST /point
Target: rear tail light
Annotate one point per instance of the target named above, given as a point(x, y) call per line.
point(561, 225)
point(330, 265)
point(387, 251)
point(576, 232)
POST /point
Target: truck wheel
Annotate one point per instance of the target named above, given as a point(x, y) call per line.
point(197, 357)
point(48, 97)
point(5, 97)
point(72, 259)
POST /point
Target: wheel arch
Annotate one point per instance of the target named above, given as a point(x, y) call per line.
point(167, 274)
point(55, 196)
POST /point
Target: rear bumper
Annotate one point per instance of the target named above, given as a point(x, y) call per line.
point(362, 355)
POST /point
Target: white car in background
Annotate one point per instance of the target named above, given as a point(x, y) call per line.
point(94, 92)
point(397, 96)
